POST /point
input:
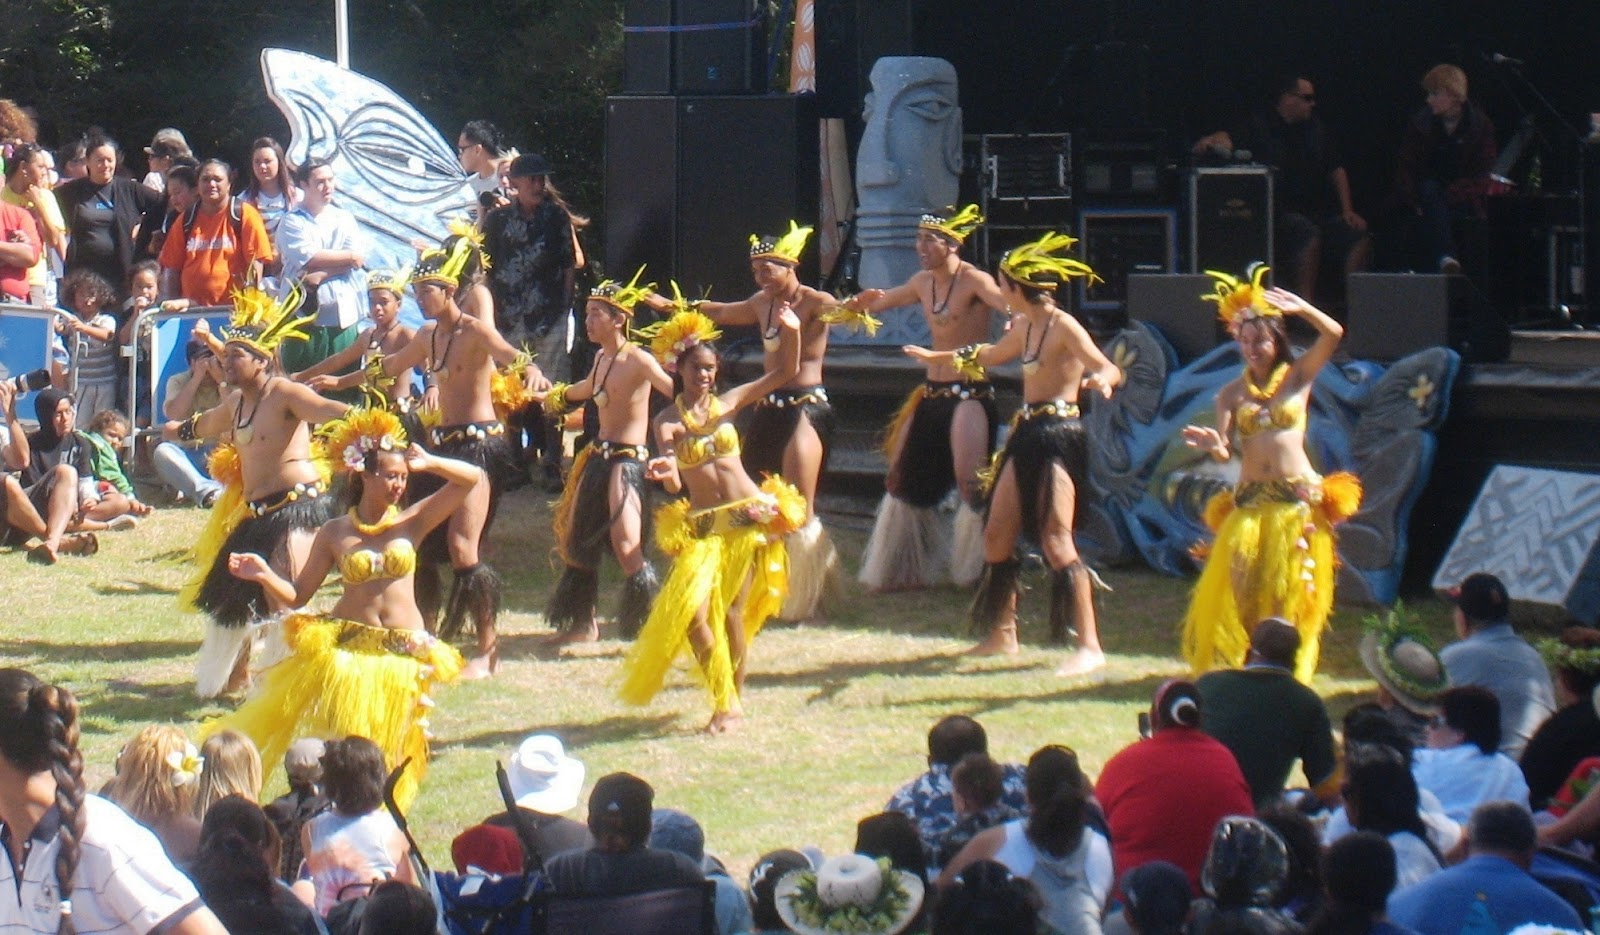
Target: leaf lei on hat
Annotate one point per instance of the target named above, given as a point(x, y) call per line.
point(884, 911)
point(620, 297)
point(1394, 627)
point(261, 323)
point(1558, 654)
point(363, 429)
point(785, 249)
point(673, 337)
point(1241, 300)
point(957, 225)
point(1041, 263)
point(185, 764)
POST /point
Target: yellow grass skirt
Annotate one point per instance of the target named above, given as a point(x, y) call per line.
point(1273, 557)
point(341, 678)
point(715, 552)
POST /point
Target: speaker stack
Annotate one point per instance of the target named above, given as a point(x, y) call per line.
point(692, 47)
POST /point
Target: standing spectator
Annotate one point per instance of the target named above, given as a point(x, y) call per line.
point(166, 145)
point(222, 247)
point(1491, 890)
point(621, 861)
point(322, 250)
point(1491, 655)
point(91, 333)
point(1446, 154)
point(190, 391)
point(271, 187)
point(21, 249)
point(1462, 764)
point(17, 126)
point(102, 211)
point(1573, 733)
point(929, 799)
point(529, 243)
point(28, 187)
point(74, 159)
point(480, 148)
point(175, 202)
point(1359, 874)
point(1269, 720)
point(356, 842)
point(1163, 795)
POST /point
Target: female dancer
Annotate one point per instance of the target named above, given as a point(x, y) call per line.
point(730, 568)
point(365, 667)
point(1273, 555)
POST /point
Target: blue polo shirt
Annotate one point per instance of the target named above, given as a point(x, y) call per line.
point(1481, 889)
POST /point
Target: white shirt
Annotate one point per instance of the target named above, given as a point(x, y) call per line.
point(1413, 862)
point(1463, 778)
point(1444, 832)
point(123, 882)
point(340, 299)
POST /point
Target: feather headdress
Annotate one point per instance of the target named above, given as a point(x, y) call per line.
point(620, 297)
point(673, 337)
point(1241, 300)
point(395, 280)
point(447, 262)
point(349, 438)
point(261, 323)
point(957, 225)
point(1041, 263)
point(785, 249)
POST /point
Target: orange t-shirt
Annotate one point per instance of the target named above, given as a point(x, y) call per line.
point(210, 264)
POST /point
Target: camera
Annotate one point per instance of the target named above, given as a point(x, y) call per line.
point(33, 380)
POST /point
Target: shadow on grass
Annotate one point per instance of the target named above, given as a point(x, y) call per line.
point(171, 555)
point(123, 701)
point(97, 652)
point(577, 734)
point(127, 588)
point(1135, 691)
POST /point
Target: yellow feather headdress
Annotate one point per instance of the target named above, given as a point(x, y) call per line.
point(460, 228)
point(395, 280)
point(1241, 300)
point(785, 249)
point(957, 225)
point(447, 262)
point(363, 429)
point(620, 297)
point(673, 337)
point(1040, 263)
point(261, 323)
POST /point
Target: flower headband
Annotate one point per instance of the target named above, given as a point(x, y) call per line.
point(670, 339)
point(620, 297)
point(1241, 300)
point(360, 431)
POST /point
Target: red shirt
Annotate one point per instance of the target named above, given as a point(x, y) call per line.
point(1164, 796)
point(14, 279)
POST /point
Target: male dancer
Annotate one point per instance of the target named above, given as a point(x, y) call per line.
point(265, 418)
point(457, 354)
point(1043, 465)
point(944, 432)
point(604, 497)
point(789, 430)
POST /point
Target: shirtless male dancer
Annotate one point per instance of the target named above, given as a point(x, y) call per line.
point(604, 500)
point(386, 335)
point(789, 430)
point(1044, 462)
point(265, 417)
point(944, 432)
point(458, 354)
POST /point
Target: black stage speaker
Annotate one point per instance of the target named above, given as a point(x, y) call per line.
point(675, 201)
point(647, 53)
point(1176, 305)
point(851, 36)
point(1119, 242)
point(1394, 314)
point(1230, 218)
point(718, 48)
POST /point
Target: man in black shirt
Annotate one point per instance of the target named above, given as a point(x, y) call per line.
point(620, 861)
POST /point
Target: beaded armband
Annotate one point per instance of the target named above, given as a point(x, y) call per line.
point(186, 428)
point(966, 361)
point(375, 375)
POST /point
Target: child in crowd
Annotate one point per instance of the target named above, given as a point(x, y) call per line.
point(108, 433)
point(977, 783)
point(90, 331)
point(143, 285)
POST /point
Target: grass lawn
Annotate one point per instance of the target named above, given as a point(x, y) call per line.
point(837, 712)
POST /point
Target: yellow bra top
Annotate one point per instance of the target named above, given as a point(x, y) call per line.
point(1261, 410)
point(398, 559)
point(697, 446)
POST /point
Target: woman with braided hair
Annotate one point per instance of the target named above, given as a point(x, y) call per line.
point(81, 861)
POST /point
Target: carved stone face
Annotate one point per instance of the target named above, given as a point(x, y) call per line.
point(909, 163)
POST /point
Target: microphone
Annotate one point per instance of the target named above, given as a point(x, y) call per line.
point(1500, 59)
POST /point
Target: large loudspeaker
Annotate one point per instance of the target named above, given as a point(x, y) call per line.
point(717, 48)
point(647, 47)
point(675, 201)
point(1230, 218)
point(851, 36)
point(1177, 306)
point(1391, 315)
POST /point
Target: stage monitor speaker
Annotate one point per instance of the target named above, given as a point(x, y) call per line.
point(1176, 305)
point(1230, 218)
point(718, 48)
point(1538, 531)
point(683, 207)
point(647, 47)
point(1390, 315)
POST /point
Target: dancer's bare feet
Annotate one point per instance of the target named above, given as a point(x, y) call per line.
point(1001, 641)
point(724, 722)
point(1082, 662)
point(589, 634)
point(481, 667)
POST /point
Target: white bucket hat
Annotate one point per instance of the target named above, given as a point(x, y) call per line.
point(543, 778)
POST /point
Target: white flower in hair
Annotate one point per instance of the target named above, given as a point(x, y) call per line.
point(185, 765)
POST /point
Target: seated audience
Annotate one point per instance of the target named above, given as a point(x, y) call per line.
point(545, 782)
point(621, 860)
point(239, 852)
point(1236, 703)
point(1489, 891)
point(1410, 680)
point(851, 894)
point(985, 899)
point(197, 389)
point(1155, 901)
point(672, 830)
point(892, 835)
point(1490, 655)
point(1301, 895)
point(764, 877)
point(1578, 826)
point(1245, 870)
point(44, 509)
point(356, 843)
point(157, 773)
point(977, 784)
point(1359, 874)
point(302, 766)
point(397, 908)
point(927, 799)
point(1462, 763)
point(231, 765)
point(1054, 848)
point(107, 435)
point(1164, 795)
point(1572, 734)
point(1381, 798)
point(1370, 725)
point(56, 443)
